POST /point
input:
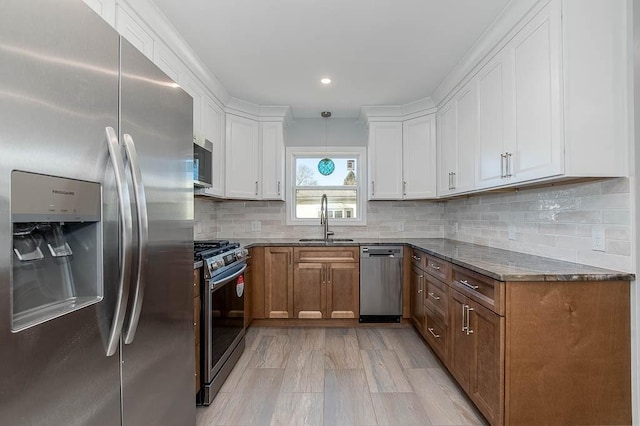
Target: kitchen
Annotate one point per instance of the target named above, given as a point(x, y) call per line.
point(580, 207)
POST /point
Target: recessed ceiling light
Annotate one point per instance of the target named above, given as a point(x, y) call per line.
point(325, 81)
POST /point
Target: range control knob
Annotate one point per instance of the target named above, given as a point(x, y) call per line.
point(216, 264)
point(241, 254)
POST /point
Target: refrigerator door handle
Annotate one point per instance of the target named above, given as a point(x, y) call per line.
point(126, 237)
point(143, 238)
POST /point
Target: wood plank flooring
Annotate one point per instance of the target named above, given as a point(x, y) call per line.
point(338, 377)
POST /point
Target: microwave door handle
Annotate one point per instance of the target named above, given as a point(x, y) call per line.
point(126, 240)
point(143, 238)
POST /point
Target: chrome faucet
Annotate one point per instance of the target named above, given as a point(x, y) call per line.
point(324, 216)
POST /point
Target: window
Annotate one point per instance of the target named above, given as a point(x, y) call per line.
point(343, 187)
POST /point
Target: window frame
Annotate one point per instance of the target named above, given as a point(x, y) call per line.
point(357, 152)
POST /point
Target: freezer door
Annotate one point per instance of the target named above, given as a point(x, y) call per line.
point(158, 364)
point(58, 92)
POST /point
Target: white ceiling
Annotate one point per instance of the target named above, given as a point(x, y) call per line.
point(377, 52)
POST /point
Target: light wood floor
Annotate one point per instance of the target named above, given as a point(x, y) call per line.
point(338, 376)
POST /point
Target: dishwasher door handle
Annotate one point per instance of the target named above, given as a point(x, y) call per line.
point(381, 255)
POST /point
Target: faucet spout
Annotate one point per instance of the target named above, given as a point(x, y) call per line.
point(324, 216)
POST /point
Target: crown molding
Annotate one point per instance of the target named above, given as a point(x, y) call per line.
point(494, 38)
point(404, 112)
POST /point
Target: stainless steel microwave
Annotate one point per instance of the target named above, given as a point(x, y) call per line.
point(202, 173)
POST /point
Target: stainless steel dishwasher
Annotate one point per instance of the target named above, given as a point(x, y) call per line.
point(380, 283)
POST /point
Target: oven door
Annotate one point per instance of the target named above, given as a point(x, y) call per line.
point(224, 319)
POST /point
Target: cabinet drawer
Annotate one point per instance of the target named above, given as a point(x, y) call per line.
point(438, 268)
point(436, 298)
point(435, 332)
point(484, 290)
point(418, 259)
point(324, 254)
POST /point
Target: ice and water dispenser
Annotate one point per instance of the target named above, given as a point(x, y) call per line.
point(57, 247)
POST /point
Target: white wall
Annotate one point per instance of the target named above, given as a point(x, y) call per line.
point(340, 132)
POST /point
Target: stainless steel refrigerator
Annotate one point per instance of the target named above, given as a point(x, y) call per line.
point(96, 212)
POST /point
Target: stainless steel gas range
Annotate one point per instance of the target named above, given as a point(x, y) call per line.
point(223, 329)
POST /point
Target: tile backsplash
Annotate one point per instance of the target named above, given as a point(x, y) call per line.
point(385, 219)
point(555, 221)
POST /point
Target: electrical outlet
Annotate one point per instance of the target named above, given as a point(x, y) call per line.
point(597, 238)
point(400, 226)
point(512, 232)
point(256, 226)
point(198, 227)
point(455, 228)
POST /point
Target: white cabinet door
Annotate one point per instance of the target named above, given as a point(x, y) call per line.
point(538, 148)
point(419, 157)
point(463, 178)
point(494, 94)
point(105, 8)
point(191, 86)
point(214, 131)
point(168, 62)
point(272, 144)
point(243, 158)
point(134, 31)
point(447, 148)
point(385, 161)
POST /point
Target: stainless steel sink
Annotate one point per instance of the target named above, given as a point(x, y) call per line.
point(322, 240)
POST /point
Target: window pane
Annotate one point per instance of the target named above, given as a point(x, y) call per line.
point(307, 173)
point(342, 203)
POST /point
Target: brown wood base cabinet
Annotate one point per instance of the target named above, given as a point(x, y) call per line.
point(278, 282)
point(326, 283)
point(529, 353)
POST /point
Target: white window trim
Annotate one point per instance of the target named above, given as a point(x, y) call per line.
point(360, 153)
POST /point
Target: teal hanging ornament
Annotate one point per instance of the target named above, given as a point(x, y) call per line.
point(326, 166)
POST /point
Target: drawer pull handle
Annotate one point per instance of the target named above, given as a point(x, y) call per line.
point(434, 296)
point(416, 257)
point(437, 336)
point(419, 291)
point(437, 268)
point(467, 284)
point(420, 276)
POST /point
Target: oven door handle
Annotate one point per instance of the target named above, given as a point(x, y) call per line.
point(229, 278)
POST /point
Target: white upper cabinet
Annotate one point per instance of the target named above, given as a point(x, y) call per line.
point(272, 145)
point(243, 163)
point(385, 161)
point(494, 91)
point(193, 88)
point(136, 33)
point(419, 158)
point(105, 8)
point(168, 62)
point(535, 148)
point(549, 104)
point(458, 134)
point(402, 159)
point(213, 120)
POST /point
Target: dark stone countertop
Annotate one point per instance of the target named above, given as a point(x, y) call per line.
point(503, 265)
